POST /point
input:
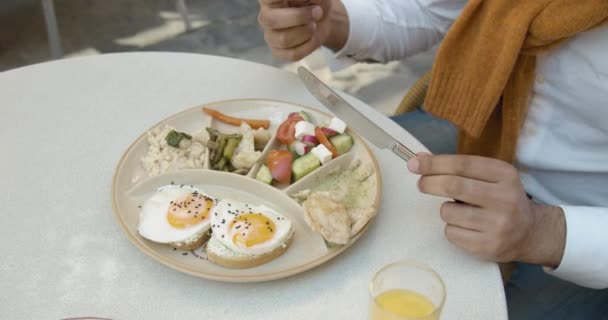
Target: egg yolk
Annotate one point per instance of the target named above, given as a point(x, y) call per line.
point(189, 210)
point(251, 229)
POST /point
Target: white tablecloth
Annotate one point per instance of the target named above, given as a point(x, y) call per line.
point(64, 126)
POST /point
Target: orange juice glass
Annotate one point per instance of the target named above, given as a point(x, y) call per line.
point(406, 290)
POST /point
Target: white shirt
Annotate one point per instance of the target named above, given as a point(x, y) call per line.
point(563, 147)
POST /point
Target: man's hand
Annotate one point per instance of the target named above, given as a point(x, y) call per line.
point(295, 28)
point(495, 219)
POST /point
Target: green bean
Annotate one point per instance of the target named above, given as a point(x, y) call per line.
point(213, 133)
point(220, 150)
point(221, 164)
point(211, 156)
point(230, 146)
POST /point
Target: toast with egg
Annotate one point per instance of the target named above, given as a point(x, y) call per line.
point(192, 243)
point(220, 255)
point(177, 215)
point(245, 236)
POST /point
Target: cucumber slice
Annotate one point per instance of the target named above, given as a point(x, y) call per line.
point(292, 148)
point(264, 175)
point(342, 142)
point(304, 165)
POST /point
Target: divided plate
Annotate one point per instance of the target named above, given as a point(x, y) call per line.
point(131, 187)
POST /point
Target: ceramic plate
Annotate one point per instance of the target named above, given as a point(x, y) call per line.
point(131, 186)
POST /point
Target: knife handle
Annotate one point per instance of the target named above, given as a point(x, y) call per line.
point(402, 151)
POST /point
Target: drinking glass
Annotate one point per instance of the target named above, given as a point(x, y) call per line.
point(406, 290)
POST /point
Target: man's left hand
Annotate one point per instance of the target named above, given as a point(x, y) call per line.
point(493, 217)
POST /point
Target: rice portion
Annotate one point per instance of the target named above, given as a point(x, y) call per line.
point(162, 157)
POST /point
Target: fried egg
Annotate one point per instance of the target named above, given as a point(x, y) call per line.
point(175, 213)
point(249, 229)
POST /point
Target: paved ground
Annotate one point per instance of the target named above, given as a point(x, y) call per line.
point(222, 27)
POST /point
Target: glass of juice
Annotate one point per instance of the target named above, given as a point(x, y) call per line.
point(406, 290)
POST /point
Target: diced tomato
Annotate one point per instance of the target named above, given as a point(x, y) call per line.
point(287, 130)
point(324, 141)
point(279, 163)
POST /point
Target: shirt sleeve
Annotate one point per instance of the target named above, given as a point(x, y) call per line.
point(385, 30)
point(585, 260)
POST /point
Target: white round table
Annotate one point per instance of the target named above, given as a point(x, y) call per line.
point(64, 126)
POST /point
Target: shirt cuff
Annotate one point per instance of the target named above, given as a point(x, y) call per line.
point(361, 16)
point(359, 36)
point(585, 260)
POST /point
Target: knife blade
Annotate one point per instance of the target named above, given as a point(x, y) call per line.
point(355, 119)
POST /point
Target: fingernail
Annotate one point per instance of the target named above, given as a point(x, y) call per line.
point(317, 13)
point(313, 26)
point(413, 165)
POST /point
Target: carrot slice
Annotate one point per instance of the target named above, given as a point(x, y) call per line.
point(324, 141)
point(254, 124)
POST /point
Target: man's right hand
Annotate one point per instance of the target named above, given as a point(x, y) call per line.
point(295, 28)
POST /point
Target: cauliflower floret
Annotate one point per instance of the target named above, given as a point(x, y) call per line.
point(245, 156)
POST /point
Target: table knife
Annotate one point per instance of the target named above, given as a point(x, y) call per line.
point(355, 119)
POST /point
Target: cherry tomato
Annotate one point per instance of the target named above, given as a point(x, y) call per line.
point(287, 130)
point(279, 163)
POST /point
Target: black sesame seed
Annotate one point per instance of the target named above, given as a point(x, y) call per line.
point(174, 249)
point(223, 220)
point(172, 182)
point(185, 254)
point(222, 236)
point(237, 226)
point(139, 206)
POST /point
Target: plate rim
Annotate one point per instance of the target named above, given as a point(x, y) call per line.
point(247, 278)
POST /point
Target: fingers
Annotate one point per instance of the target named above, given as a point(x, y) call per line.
point(467, 190)
point(273, 3)
point(289, 17)
point(289, 3)
point(296, 53)
point(464, 216)
point(288, 38)
point(480, 168)
point(301, 3)
point(466, 239)
point(290, 26)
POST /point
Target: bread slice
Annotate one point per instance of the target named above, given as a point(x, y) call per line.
point(219, 254)
point(193, 242)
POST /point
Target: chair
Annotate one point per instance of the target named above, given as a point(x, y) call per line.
point(52, 30)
